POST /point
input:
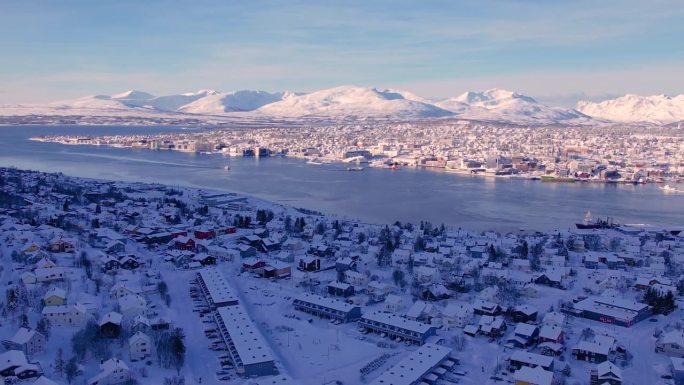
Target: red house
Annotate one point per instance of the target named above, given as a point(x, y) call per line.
point(229, 230)
point(253, 264)
point(204, 234)
point(184, 243)
point(550, 333)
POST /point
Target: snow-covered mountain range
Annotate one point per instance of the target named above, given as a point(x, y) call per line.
point(351, 102)
point(661, 109)
point(503, 105)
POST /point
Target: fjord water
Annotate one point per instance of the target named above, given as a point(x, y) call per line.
point(374, 195)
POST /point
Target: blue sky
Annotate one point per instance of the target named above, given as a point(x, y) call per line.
point(557, 51)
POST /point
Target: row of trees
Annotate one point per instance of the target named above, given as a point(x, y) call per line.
point(661, 303)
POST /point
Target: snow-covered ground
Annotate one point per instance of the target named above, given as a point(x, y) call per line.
point(51, 221)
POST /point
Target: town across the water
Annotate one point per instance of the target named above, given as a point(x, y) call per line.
point(610, 154)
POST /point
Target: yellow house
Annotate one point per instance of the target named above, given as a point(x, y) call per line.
point(55, 297)
point(30, 248)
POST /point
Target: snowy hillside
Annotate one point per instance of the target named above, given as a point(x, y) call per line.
point(502, 105)
point(246, 100)
point(636, 108)
point(167, 102)
point(351, 101)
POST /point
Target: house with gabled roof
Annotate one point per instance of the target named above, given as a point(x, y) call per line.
point(55, 296)
point(524, 335)
point(28, 341)
point(457, 314)
point(110, 325)
point(113, 371)
point(140, 346)
point(11, 360)
point(671, 343)
point(132, 305)
point(74, 315)
point(533, 376)
point(606, 373)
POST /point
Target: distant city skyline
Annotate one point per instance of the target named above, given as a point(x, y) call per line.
point(556, 51)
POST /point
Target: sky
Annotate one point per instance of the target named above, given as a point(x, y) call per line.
point(557, 51)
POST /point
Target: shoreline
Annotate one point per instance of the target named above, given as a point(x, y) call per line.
point(546, 178)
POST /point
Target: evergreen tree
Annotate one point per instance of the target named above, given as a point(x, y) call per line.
point(288, 224)
point(662, 304)
point(43, 327)
point(24, 321)
point(177, 349)
point(12, 299)
point(59, 363)
point(71, 370)
point(419, 244)
point(398, 276)
point(525, 250)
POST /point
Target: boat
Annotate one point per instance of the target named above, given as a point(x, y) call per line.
point(394, 167)
point(599, 223)
point(315, 162)
point(226, 167)
point(668, 188)
point(354, 168)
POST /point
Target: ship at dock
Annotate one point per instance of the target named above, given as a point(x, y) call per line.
point(599, 223)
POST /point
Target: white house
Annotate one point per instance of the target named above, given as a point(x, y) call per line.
point(139, 346)
point(394, 303)
point(671, 344)
point(379, 290)
point(607, 373)
point(112, 372)
point(74, 315)
point(11, 360)
point(533, 376)
point(355, 278)
point(457, 314)
point(425, 274)
point(132, 305)
point(49, 274)
point(28, 278)
point(554, 318)
point(121, 289)
point(29, 341)
point(45, 263)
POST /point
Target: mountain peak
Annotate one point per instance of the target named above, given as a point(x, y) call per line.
point(203, 92)
point(353, 101)
point(637, 108)
point(133, 95)
point(491, 96)
point(504, 105)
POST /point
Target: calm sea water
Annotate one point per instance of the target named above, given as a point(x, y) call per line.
point(374, 195)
